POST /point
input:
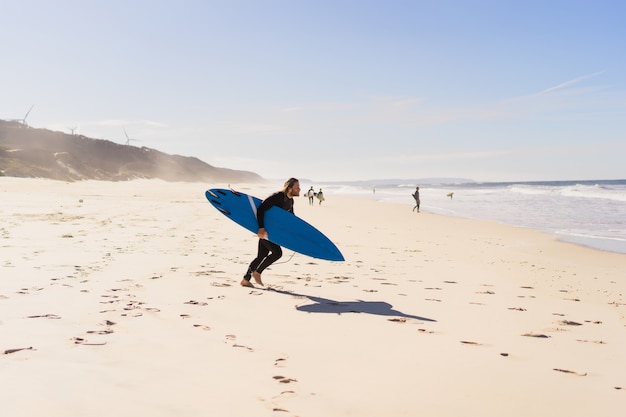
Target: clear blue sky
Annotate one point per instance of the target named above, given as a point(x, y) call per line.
point(332, 90)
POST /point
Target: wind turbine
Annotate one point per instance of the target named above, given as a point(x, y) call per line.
point(72, 129)
point(23, 121)
point(27, 113)
point(128, 140)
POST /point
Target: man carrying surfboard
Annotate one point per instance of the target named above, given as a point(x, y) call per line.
point(416, 196)
point(269, 252)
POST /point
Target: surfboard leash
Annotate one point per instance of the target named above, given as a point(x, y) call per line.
point(284, 262)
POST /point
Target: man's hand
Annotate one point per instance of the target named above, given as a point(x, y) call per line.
point(262, 233)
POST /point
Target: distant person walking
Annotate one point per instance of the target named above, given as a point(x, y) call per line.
point(416, 196)
point(320, 196)
point(269, 252)
point(311, 195)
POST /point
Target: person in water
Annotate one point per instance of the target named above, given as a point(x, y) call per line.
point(268, 252)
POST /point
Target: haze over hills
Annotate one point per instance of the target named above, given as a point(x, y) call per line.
point(42, 153)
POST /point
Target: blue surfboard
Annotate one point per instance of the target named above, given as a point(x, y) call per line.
point(283, 228)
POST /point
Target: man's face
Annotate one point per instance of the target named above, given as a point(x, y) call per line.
point(295, 190)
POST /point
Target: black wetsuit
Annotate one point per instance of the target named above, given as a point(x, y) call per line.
point(268, 252)
point(416, 196)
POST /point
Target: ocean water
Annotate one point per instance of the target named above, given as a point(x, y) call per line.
point(588, 213)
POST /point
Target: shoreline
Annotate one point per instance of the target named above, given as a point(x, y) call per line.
point(593, 242)
point(600, 243)
point(597, 224)
point(122, 298)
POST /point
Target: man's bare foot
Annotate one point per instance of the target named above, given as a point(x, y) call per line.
point(246, 283)
point(257, 277)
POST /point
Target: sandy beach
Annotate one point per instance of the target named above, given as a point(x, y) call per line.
point(123, 298)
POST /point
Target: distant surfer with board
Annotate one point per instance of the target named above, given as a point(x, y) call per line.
point(416, 196)
point(311, 195)
point(269, 252)
point(320, 196)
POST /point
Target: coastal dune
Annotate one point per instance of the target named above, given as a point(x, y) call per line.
point(120, 298)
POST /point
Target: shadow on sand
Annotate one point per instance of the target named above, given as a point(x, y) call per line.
point(325, 305)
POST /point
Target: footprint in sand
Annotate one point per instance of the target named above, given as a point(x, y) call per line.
point(26, 291)
point(537, 335)
point(283, 395)
point(426, 331)
point(567, 371)
point(597, 342)
point(136, 314)
point(249, 349)
point(398, 320)
point(569, 323)
point(280, 362)
point(108, 330)
point(196, 303)
point(284, 379)
point(45, 316)
point(202, 326)
point(9, 351)
point(220, 284)
point(467, 342)
point(81, 341)
point(236, 345)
